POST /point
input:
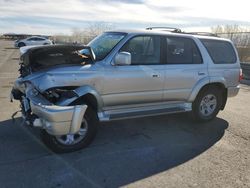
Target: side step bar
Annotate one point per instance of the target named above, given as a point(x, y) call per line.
point(136, 113)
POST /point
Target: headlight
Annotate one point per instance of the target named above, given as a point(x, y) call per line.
point(31, 90)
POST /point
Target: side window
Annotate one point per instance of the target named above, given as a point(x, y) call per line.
point(182, 51)
point(31, 39)
point(40, 39)
point(144, 50)
point(221, 52)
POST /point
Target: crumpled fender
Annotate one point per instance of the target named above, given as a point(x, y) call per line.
point(81, 91)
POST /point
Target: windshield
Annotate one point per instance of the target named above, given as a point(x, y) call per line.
point(103, 44)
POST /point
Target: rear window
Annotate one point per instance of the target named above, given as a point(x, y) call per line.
point(221, 52)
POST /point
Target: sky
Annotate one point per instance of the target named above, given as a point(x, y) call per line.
point(61, 16)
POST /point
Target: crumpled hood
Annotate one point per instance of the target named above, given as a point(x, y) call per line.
point(34, 59)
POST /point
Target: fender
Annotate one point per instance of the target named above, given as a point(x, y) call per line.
point(84, 90)
point(202, 83)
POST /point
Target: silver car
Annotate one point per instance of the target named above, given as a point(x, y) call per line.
point(66, 90)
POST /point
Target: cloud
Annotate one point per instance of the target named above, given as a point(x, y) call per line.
point(62, 15)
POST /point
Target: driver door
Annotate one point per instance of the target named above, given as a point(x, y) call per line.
point(140, 82)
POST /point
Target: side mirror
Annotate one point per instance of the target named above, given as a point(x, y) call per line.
point(122, 58)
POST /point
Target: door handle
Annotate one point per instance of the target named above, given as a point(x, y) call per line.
point(200, 73)
point(155, 75)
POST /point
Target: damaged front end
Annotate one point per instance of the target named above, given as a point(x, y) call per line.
point(49, 109)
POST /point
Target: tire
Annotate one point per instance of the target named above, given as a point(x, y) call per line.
point(204, 108)
point(21, 44)
point(56, 144)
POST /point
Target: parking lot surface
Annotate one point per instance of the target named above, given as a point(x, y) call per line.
point(162, 151)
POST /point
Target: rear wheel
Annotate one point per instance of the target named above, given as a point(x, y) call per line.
point(207, 104)
point(74, 142)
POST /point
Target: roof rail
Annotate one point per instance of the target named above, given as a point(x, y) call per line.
point(202, 33)
point(177, 30)
point(171, 29)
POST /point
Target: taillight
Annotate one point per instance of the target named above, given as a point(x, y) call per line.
point(240, 75)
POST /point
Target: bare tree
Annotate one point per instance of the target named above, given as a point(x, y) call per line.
point(86, 34)
point(83, 35)
point(98, 28)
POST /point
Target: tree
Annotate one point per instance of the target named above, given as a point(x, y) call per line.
point(92, 30)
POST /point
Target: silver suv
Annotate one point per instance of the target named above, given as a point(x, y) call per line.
point(66, 90)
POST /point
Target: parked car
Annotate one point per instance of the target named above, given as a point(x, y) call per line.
point(66, 90)
point(32, 41)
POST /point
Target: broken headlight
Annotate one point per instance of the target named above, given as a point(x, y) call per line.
point(56, 94)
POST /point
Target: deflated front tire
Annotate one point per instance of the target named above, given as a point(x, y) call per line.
point(74, 142)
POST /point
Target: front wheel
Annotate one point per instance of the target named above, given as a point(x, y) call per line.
point(74, 142)
point(207, 104)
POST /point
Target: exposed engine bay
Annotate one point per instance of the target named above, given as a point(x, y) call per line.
point(39, 58)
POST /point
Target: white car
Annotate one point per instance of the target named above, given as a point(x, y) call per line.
point(32, 41)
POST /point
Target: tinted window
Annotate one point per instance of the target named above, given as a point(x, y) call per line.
point(221, 52)
point(31, 39)
point(182, 51)
point(35, 39)
point(144, 50)
point(39, 39)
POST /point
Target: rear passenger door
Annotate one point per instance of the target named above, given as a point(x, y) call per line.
point(184, 68)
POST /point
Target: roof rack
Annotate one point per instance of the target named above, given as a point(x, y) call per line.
point(202, 33)
point(171, 29)
point(177, 30)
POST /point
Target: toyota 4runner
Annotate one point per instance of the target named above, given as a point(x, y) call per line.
point(65, 90)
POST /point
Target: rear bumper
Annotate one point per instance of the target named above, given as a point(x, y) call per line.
point(58, 120)
point(233, 91)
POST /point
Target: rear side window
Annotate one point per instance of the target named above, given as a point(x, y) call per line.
point(221, 52)
point(40, 39)
point(182, 51)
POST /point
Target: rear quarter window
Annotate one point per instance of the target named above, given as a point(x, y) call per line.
point(221, 52)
